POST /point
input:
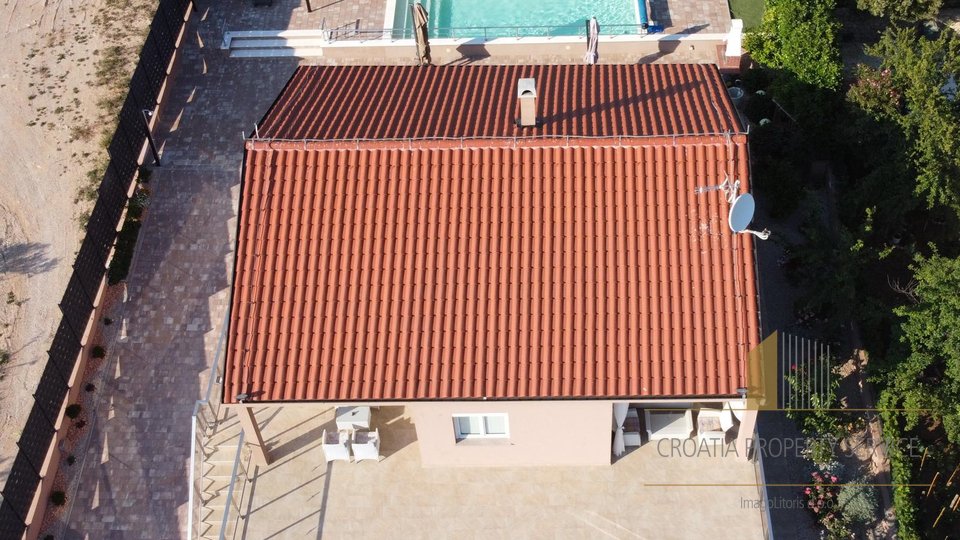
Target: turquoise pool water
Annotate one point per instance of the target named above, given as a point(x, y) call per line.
point(512, 18)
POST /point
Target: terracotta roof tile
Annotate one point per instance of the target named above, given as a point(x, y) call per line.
point(497, 272)
point(411, 102)
point(488, 268)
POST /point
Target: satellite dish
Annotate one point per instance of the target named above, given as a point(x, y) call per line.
point(742, 207)
point(741, 213)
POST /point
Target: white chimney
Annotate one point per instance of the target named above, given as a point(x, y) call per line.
point(527, 94)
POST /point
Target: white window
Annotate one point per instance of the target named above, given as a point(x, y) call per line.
point(477, 426)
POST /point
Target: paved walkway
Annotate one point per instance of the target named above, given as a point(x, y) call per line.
point(640, 496)
point(133, 477)
point(134, 481)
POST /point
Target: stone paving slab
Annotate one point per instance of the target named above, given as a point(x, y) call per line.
point(639, 496)
point(134, 481)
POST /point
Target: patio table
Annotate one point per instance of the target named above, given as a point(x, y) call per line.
point(353, 418)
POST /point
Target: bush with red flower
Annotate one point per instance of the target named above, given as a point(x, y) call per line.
point(822, 497)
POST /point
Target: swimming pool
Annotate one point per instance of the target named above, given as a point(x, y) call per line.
point(516, 18)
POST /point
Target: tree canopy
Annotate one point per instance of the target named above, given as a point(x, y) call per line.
point(929, 378)
point(905, 10)
point(799, 36)
point(909, 88)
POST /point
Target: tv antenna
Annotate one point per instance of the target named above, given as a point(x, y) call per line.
point(742, 207)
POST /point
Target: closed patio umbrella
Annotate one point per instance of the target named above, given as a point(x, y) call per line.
point(593, 36)
point(619, 417)
point(420, 17)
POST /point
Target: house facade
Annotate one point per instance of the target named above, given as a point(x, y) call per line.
point(516, 254)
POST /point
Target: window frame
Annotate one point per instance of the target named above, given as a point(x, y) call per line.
point(483, 423)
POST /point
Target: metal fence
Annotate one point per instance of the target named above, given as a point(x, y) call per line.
point(90, 266)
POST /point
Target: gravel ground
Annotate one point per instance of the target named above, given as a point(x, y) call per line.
point(48, 109)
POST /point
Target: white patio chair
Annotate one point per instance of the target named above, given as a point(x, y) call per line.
point(713, 424)
point(366, 445)
point(336, 445)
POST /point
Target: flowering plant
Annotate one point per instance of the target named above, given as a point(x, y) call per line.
point(822, 497)
point(876, 92)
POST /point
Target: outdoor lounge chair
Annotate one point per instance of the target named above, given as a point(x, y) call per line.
point(366, 445)
point(713, 424)
point(668, 424)
point(336, 445)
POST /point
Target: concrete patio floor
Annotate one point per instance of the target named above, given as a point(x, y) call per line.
point(299, 496)
point(689, 16)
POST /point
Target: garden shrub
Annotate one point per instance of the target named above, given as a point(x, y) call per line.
point(832, 467)
point(819, 450)
point(144, 173)
point(138, 203)
point(900, 472)
point(822, 501)
point(98, 351)
point(815, 415)
point(73, 411)
point(123, 256)
point(857, 502)
point(58, 498)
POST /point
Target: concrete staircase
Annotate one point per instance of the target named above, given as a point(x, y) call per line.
point(275, 43)
point(290, 43)
point(219, 453)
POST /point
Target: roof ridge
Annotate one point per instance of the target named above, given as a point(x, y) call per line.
point(494, 142)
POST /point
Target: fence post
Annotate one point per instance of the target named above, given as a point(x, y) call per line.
point(146, 125)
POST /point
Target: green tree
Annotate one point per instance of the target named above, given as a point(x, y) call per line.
point(909, 88)
point(904, 10)
point(799, 36)
point(929, 377)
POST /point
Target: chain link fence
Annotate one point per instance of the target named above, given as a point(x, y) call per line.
point(90, 266)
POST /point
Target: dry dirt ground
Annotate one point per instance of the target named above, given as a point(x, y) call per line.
point(52, 120)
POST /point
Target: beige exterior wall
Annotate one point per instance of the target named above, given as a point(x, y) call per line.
point(541, 434)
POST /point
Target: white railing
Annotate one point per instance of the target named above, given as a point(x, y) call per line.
point(235, 494)
point(203, 423)
point(765, 520)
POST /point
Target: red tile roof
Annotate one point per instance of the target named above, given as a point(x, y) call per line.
point(532, 268)
point(380, 102)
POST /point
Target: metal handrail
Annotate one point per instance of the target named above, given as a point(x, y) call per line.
point(233, 482)
point(198, 409)
point(492, 32)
